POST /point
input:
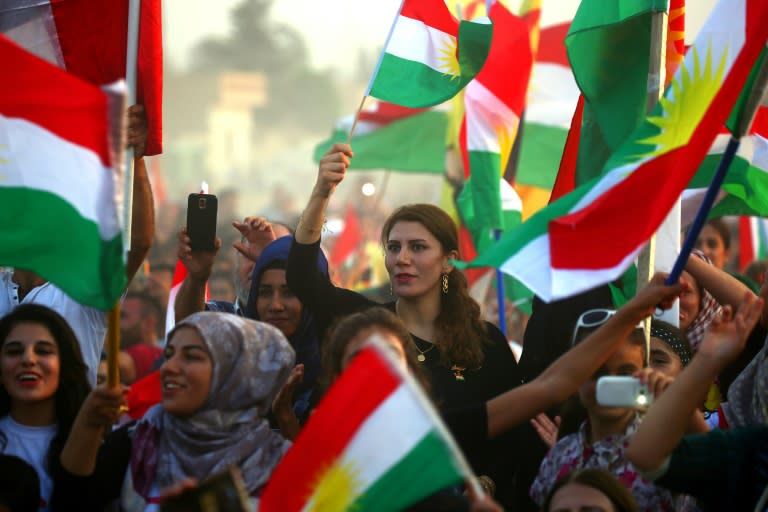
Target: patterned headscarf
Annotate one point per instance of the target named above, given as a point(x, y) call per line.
point(747, 402)
point(251, 362)
point(709, 309)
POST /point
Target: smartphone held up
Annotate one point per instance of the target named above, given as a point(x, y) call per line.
point(201, 221)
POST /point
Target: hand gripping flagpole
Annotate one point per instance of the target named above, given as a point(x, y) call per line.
point(745, 121)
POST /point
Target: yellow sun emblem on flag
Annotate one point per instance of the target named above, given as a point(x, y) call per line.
point(692, 92)
point(448, 62)
point(336, 489)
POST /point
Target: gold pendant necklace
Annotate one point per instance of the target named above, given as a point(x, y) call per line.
point(421, 357)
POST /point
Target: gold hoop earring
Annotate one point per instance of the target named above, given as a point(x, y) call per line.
point(445, 283)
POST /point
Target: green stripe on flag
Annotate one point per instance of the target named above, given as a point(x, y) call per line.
point(429, 461)
point(540, 155)
point(50, 236)
point(746, 185)
point(413, 144)
point(609, 50)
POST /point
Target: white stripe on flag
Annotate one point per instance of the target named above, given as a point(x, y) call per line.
point(371, 463)
point(87, 185)
point(415, 41)
point(486, 114)
point(552, 95)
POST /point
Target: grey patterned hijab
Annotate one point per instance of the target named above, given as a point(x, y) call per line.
point(251, 362)
point(747, 402)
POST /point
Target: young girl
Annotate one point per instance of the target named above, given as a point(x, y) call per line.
point(44, 383)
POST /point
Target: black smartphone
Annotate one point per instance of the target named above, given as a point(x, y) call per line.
point(201, 221)
point(224, 492)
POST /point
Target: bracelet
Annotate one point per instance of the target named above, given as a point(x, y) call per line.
point(302, 225)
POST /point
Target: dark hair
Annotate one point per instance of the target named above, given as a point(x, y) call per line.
point(150, 306)
point(600, 480)
point(719, 225)
point(73, 373)
point(459, 331)
point(342, 333)
point(19, 485)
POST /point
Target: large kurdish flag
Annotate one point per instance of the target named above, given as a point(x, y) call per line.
point(393, 137)
point(590, 236)
point(429, 56)
point(374, 443)
point(57, 188)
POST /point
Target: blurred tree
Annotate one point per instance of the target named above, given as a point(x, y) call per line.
point(299, 96)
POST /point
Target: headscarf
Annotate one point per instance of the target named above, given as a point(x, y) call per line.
point(251, 362)
point(305, 339)
point(674, 338)
point(709, 309)
point(747, 402)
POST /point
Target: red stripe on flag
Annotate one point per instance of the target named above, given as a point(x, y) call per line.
point(47, 96)
point(384, 113)
point(92, 36)
point(625, 217)
point(566, 175)
point(552, 45)
point(510, 55)
point(355, 395)
point(348, 239)
point(433, 13)
point(747, 249)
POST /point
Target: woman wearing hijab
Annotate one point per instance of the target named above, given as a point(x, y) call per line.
point(271, 301)
point(219, 379)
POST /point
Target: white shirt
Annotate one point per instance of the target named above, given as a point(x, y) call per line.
point(89, 324)
point(31, 445)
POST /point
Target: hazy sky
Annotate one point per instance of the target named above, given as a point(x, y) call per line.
point(332, 27)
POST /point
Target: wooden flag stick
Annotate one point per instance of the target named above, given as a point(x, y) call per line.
point(113, 346)
point(357, 117)
point(131, 57)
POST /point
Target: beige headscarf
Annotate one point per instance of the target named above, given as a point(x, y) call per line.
point(251, 362)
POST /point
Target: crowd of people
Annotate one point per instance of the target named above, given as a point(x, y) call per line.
point(235, 381)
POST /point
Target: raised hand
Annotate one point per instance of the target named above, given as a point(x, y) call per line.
point(256, 233)
point(102, 407)
point(333, 167)
point(199, 264)
point(726, 336)
point(137, 130)
point(546, 428)
point(656, 295)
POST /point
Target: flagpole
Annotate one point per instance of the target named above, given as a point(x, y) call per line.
point(357, 117)
point(645, 261)
point(131, 57)
point(745, 121)
point(113, 346)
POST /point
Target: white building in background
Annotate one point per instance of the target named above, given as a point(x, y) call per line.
point(230, 126)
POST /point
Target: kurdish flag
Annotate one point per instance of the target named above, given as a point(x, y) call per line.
point(418, 134)
point(753, 240)
point(745, 189)
point(590, 236)
point(429, 56)
point(381, 449)
point(493, 104)
point(88, 39)
point(56, 175)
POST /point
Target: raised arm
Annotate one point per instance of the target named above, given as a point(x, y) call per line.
point(99, 412)
point(191, 296)
point(563, 377)
point(143, 213)
point(333, 167)
point(668, 418)
point(725, 288)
